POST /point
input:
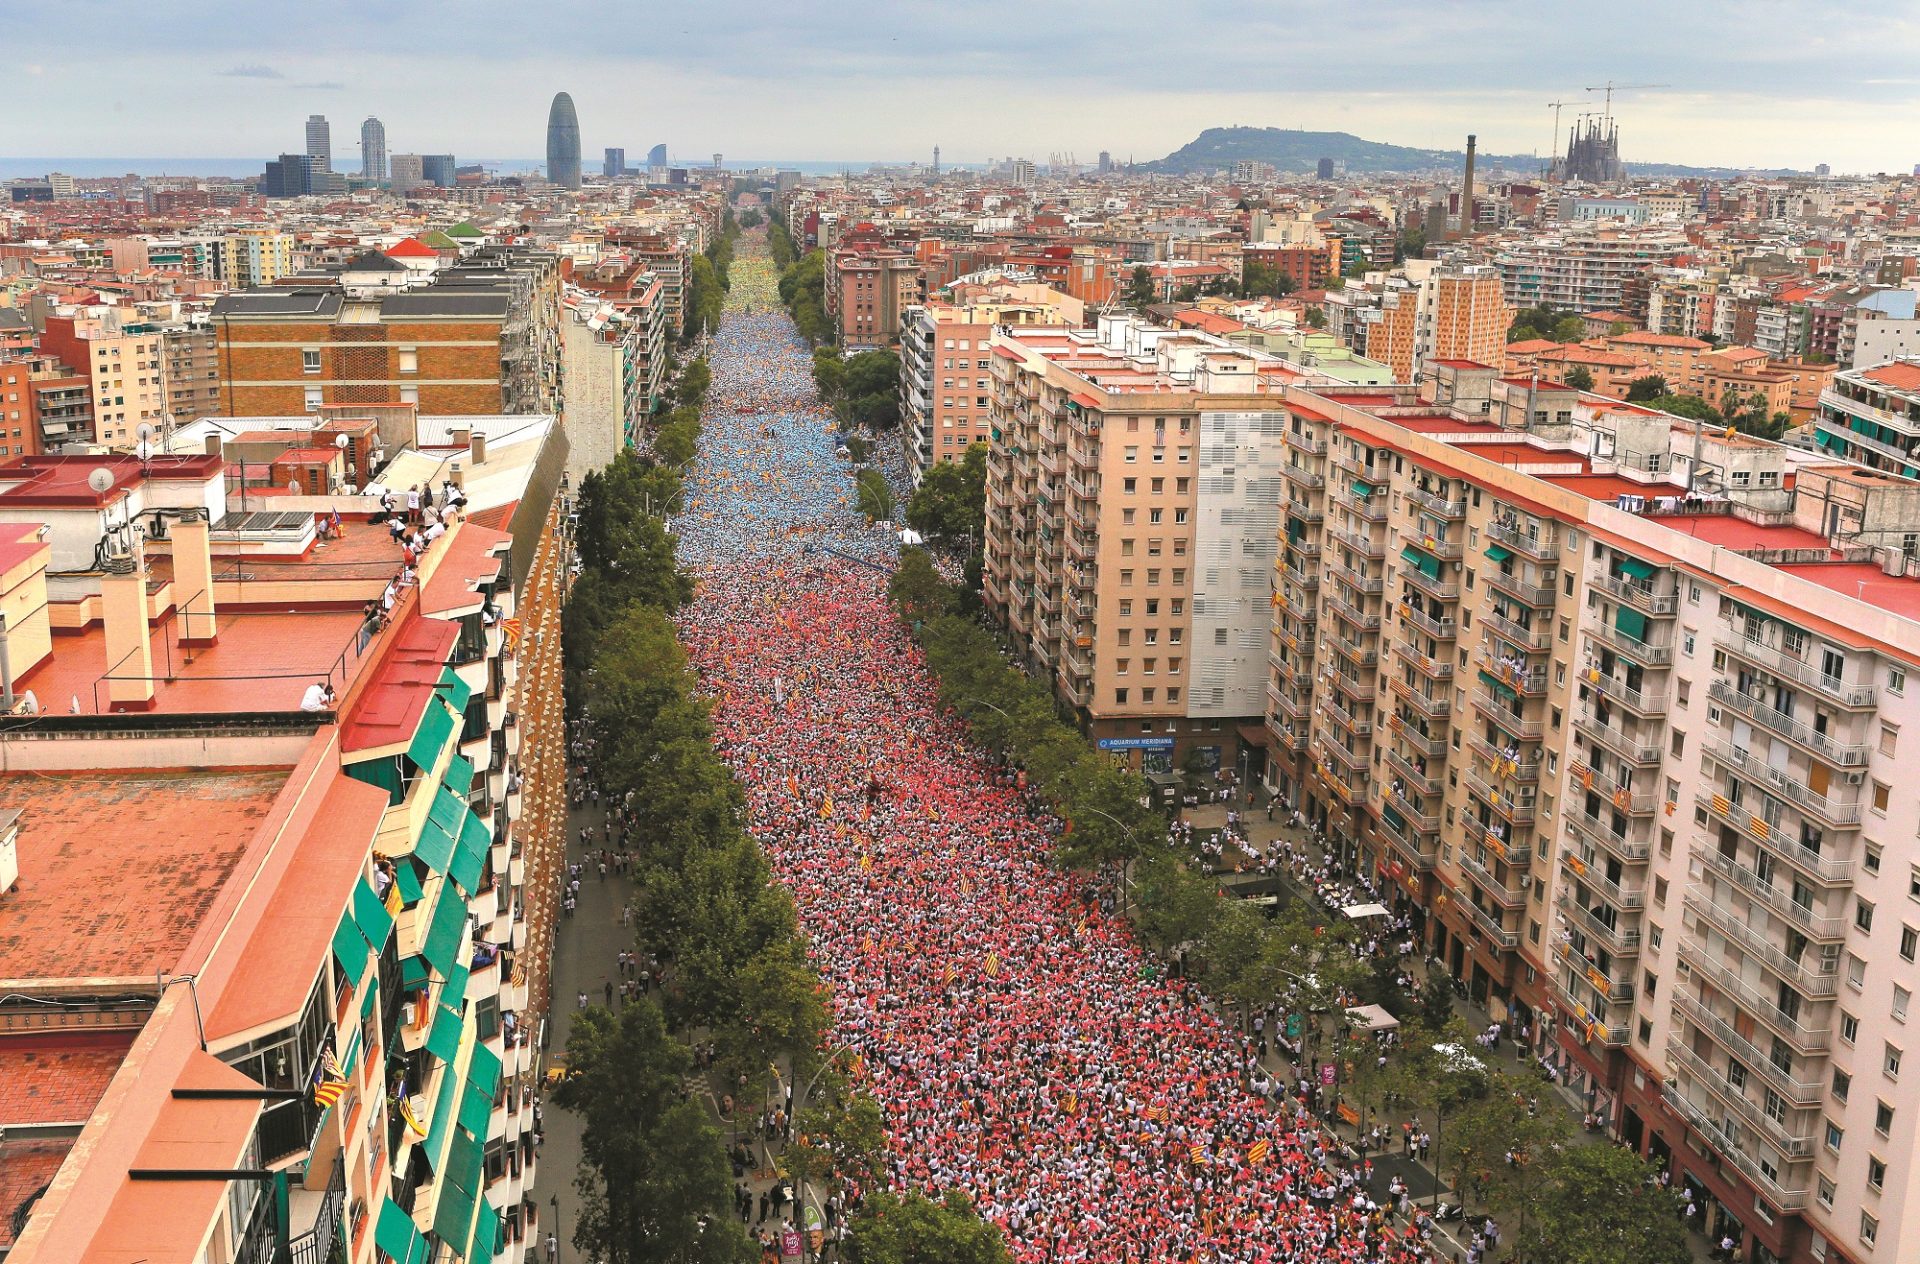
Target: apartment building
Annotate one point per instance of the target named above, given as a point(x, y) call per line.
point(1617, 718)
point(1131, 494)
point(611, 358)
point(124, 365)
point(276, 896)
point(483, 336)
point(253, 257)
point(873, 292)
point(668, 258)
point(190, 369)
point(1582, 271)
point(1872, 416)
point(945, 374)
point(1450, 313)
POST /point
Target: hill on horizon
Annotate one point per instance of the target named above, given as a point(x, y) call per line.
point(1291, 149)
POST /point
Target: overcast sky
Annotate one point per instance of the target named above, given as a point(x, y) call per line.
point(1754, 82)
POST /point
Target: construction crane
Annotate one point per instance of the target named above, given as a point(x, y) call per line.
point(1610, 87)
point(1555, 107)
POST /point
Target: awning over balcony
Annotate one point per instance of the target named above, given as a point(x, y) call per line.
point(443, 1038)
point(459, 776)
point(436, 726)
point(455, 690)
point(1501, 689)
point(1630, 622)
point(1499, 554)
point(394, 1234)
point(1430, 567)
point(1637, 568)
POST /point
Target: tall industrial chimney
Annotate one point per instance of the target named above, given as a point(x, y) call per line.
point(1466, 194)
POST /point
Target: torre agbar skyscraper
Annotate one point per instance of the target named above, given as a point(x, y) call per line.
point(563, 143)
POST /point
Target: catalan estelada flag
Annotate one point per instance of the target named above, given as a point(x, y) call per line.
point(993, 965)
point(948, 975)
point(1070, 1104)
point(1197, 1152)
point(1258, 1151)
point(328, 1083)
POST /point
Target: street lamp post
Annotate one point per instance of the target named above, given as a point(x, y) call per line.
point(554, 1255)
point(799, 1104)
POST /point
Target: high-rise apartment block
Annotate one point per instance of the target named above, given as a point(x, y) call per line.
point(614, 165)
point(406, 172)
point(254, 256)
point(320, 142)
point(946, 383)
point(1450, 313)
point(124, 364)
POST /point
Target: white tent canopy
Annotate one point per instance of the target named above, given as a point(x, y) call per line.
point(1372, 1018)
point(1359, 912)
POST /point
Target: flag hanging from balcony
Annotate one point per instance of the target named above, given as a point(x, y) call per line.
point(328, 1083)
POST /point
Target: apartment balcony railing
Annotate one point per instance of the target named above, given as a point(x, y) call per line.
point(1755, 943)
point(1300, 509)
point(1843, 754)
point(1640, 596)
point(1806, 1038)
point(1542, 547)
point(1356, 652)
point(1307, 444)
point(1432, 668)
point(1609, 890)
point(1517, 725)
point(1640, 701)
point(1790, 1145)
point(1537, 596)
point(1362, 543)
point(1833, 868)
point(1516, 850)
point(1517, 809)
point(1520, 679)
point(1438, 506)
point(1350, 611)
point(1425, 822)
point(1433, 747)
point(1357, 720)
point(1623, 798)
point(1357, 688)
point(1776, 899)
point(1439, 629)
point(1728, 1037)
point(1627, 748)
point(1491, 927)
point(1786, 1197)
point(1512, 770)
point(1434, 588)
point(1406, 770)
point(1433, 706)
point(1302, 477)
point(1602, 835)
point(1775, 660)
point(1623, 941)
point(1645, 653)
point(1832, 810)
point(1358, 582)
point(1483, 876)
point(1534, 640)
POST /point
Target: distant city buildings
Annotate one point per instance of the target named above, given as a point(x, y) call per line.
point(320, 142)
point(615, 164)
point(373, 151)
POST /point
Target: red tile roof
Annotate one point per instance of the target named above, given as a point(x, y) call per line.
point(48, 1080)
point(469, 557)
point(1902, 375)
point(118, 868)
point(411, 248)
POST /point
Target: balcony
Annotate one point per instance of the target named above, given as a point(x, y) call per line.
point(1778, 900)
point(1610, 990)
point(1756, 943)
point(1474, 833)
point(1303, 510)
point(1518, 810)
point(1527, 680)
point(1778, 662)
point(1511, 723)
point(1640, 701)
point(1433, 706)
point(1350, 612)
point(1533, 640)
point(1609, 890)
point(1839, 813)
point(1483, 876)
point(1356, 721)
point(1623, 798)
point(1490, 926)
point(1842, 754)
point(1525, 771)
point(1363, 544)
point(1353, 651)
point(1408, 772)
point(1543, 546)
point(1353, 579)
point(1826, 867)
point(1535, 596)
point(1300, 476)
point(1421, 854)
point(1290, 706)
point(1601, 834)
point(1724, 1034)
point(1433, 747)
point(1643, 653)
point(1640, 596)
point(1303, 579)
point(1439, 506)
point(1622, 941)
point(1610, 738)
point(1782, 1197)
point(1368, 509)
point(1424, 822)
point(1353, 687)
point(1749, 1111)
point(1439, 629)
point(1306, 443)
point(1434, 588)
point(1806, 1039)
point(1355, 763)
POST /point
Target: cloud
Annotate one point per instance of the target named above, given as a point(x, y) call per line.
point(252, 70)
point(325, 85)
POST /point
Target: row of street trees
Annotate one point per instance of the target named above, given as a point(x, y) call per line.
point(655, 1182)
point(707, 288)
point(1594, 1204)
point(863, 389)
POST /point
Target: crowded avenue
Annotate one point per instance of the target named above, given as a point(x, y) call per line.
point(1021, 1045)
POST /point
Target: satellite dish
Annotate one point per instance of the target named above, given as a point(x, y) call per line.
point(341, 441)
point(101, 480)
point(144, 431)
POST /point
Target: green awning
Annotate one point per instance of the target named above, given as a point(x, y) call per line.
point(1361, 489)
point(435, 846)
point(483, 1070)
point(1501, 689)
point(394, 1234)
point(486, 1235)
point(436, 726)
point(1499, 554)
point(455, 690)
point(383, 772)
point(371, 915)
point(459, 775)
point(468, 859)
point(443, 1038)
point(1427, 566)
point(466, 1160)
point(448, 811)
point(1637, 568)
point(444, 1106)
point(408, 879)
point(1296, 529)
point(370, 1000)
point(454, 1215)
point(1630, 622)
point(444, 933)
point(413, 972)
point(476, 832)
point(476, 1108)
point(349, 948)
point(1393, 818)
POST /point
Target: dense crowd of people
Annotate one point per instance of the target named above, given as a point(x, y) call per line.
point(1020, 1043)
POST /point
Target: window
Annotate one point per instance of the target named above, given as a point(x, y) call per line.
point(1146, 695)
point(1130, 455)
point(309, 361)
point(1120, 697)
point(1856, 972)
point(409, 360)
point(1882, 1118)
point(1121, 666)
point(1889, 738)
point(1849, 1028)
point(1869, 1228)
point(1882, 795)
point(311, 398)
point(1173, 695)
point(1842, 1082)
point(1876, 1171)
point(1826, 1192)
point(1834, 1136)
point(1896, 680)
point(1890, 1062)
point(1909, 940)
point(1686, 643)
point(1901, 999)
point(1862, 914)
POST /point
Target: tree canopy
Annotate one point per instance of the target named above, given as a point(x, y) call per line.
point(950, 505)
point(890, 1229)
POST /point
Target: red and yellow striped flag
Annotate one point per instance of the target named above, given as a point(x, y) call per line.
point(1259, 1150)
point(1070, 1104)
point(1197, 1152)
point(993, 965)
point(328, 1084)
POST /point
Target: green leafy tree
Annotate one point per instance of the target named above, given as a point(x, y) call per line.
point(1506, 1147)
point(869, 393)
point(1568, 329)
point(1749, 414)
point(695, 380)
point(751, 218)
point(829, 373)
point(917, 589)
point(1438, 1073)
point(1599, 1205)
point(1617, 328)
point(1691, 406)
point(1579, 378)
point(872, 496)
point(1643, 389)
point(706, 294)
point(950, 505)
point(1140, 287)
point(1175, 906)
point(654, 1182)
point(1262, 280)
point(914, 1229)
point(1317, 317)
point(840, 1135)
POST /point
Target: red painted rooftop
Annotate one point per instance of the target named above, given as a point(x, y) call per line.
point(61, 481)
point(117, 868)
point(1733, 533)
point(57, 1078)
point(388, 709)
point(471, 556)
point(1863, 581)
point(411, 248)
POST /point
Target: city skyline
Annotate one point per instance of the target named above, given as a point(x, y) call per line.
point(1830, 96)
